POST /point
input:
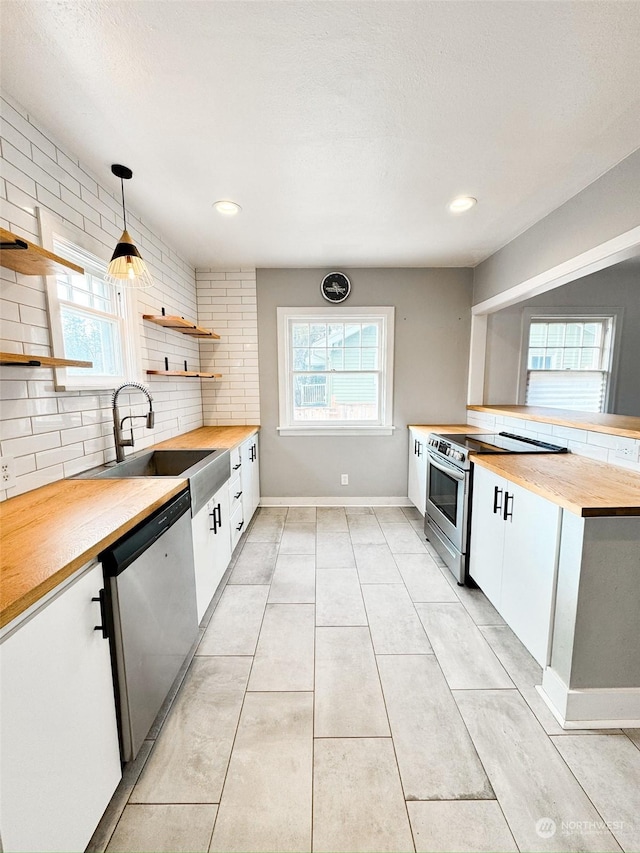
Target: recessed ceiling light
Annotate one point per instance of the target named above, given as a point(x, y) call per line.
point(227, 208)
point(462, 203)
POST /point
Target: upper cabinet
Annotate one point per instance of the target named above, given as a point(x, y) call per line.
point(27, 258)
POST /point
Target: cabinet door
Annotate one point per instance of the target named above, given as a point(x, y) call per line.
point(417, 488)
point(203, 555)
point(60, 753)
point(221, 535)
point(529, 568)
point(487, 533)
point(246, 473)
point(255, 476)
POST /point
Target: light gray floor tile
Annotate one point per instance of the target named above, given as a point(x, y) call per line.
point(266, 528)
point(235, 624)
point(298, 538)
point(333, 550)
point(301, 513)
point(358, 802)
point(402, 538)
point(189, 760)
point(348, 696)
point(423, 578)
point(375, 564)
point(546, 719)
point(475, 602)
point(531, 781)
point(436, 756)
point(294, 580)
point(266, 803)
point(608, 768)
point(389, 513)
point(164, 828)
point(284, 657)
point(395, 626)
point(358, 510)
point(272, 512)
point(365, 530)
point(466, 827)
point(523, 669)
point(412, 514)
point(338, 598)
point(634, 735)
point(463, 653)
point(332, 518)
point(255, 564)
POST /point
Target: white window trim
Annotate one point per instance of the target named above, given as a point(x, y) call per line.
point(593, 311)
point(284, 315)
point(50, 227)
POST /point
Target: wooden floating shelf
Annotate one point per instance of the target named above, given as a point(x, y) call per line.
point(21, 360)
point(185, 373)
point(27, 258)
point(179, 324)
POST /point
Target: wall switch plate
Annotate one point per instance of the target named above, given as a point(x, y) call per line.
point(628, 452)
point(7, 472)
point(344, 479)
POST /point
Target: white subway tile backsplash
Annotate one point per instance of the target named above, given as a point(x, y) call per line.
point(30, 444)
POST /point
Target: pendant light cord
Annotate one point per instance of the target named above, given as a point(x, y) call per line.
point(124, 209)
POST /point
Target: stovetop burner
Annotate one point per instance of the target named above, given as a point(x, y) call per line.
point(502, 442)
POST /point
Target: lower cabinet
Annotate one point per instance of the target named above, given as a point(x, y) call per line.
point(211, 546)
point(59, 738)
point(514, 544)
point(417, 487)
point(250, 477)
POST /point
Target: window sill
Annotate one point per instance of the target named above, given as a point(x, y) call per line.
point(336, 430)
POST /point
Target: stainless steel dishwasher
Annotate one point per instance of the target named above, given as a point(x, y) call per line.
point(152, 595)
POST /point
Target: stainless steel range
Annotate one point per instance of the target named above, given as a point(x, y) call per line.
point(447, 523)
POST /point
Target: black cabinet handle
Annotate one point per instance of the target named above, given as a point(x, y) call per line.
point(219, 511)
point(415, 446)
point(252, 453)
point(103, 614)
point(239, 527)
point(214, 520)
point(497, 507)
point(419, 443)
point(507, 514)
point(236, 496)
point(235, 467)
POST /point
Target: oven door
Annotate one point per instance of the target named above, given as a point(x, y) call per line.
point(446, 487)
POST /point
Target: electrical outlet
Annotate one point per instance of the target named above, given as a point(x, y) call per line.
point(629, 452)
point(7, 472)
point(344, 479)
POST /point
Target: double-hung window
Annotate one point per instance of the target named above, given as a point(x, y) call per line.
point(569, 360)
point(91, 320)
point(335, 370)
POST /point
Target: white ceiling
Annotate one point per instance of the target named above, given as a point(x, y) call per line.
point(342, 128)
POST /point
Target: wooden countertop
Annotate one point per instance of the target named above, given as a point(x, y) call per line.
point(207, 437)
point(446, 428)
point(583, 486)
point(614, 424)
point(50, 532)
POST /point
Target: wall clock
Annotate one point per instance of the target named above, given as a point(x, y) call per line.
point(335, 287)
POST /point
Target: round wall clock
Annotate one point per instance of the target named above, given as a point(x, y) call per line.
point(335, 287)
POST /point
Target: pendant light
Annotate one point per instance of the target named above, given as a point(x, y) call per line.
point(126, 267)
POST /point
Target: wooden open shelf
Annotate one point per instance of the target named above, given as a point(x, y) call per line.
point(179, 324)
point(29, 259)
point(21, 360)
point(185, 373)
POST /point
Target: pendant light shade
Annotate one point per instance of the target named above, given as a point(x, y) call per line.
point(126, 267)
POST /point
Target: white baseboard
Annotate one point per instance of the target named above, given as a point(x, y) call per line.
point(598, 708)
point(336, 501)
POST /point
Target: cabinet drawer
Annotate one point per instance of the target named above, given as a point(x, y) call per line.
point(235, 460)
point(237, 524)
point(235, 494)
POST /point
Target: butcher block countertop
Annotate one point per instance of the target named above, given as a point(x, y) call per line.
point(446, 428)
point(50, 532)
point(583, 486)
point(595, 422)
point(206, 437)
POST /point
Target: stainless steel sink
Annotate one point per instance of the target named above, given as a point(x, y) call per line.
point(206, 470)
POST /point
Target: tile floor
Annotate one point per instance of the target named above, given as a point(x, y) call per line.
point(348, 696)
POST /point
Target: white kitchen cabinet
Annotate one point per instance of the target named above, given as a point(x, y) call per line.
point(514, 541)
point(250, 474)
point(417, 489)
point(59, 739)
point(211, 546)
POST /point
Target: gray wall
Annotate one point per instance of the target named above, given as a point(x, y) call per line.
point(615, 287)
point(608, 207)
point(430, 366)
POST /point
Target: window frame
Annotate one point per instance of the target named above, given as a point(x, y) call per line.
point(50, 229)
point(573, 315)
point(336, 314)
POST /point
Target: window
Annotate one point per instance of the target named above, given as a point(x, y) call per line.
point(335, 370)
point(568, 360)
point(90, 319)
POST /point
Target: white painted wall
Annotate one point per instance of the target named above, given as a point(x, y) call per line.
point(56, 434)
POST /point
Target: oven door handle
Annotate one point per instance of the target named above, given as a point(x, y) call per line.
point(447, 469)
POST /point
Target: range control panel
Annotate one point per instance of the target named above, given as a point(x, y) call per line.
point(446, 448)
